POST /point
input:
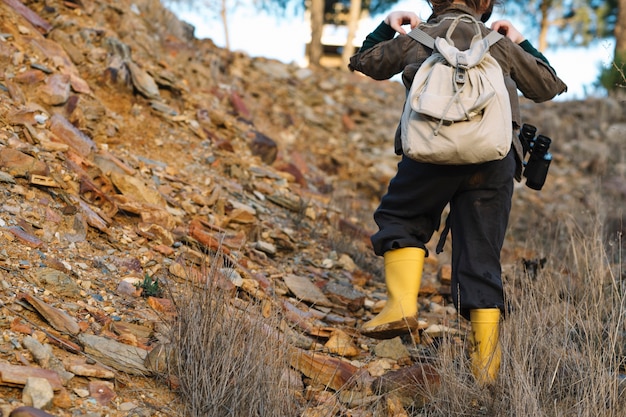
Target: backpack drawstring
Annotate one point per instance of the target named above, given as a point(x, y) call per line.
point(454, 98)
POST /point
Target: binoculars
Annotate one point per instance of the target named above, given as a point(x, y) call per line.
point(536, 168)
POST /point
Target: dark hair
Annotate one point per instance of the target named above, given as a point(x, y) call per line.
point(484, 6)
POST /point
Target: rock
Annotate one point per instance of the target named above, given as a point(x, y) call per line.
point(29, 15)
point(264, 147)
point(69, 134)
point(412, 385)
point(13, 375)
point(6, 178)
point(117, 355)
point(391, 348)
point(37, 393)
point(160, 359)
point(342, 344)
point(18, 164)
point(265, 247)
point(345, 295)
point(81, 368)
point(305, 290)
point(26, 411)
point(304, 320)
point(57, 282)
point(142, 81)
point(136, 189)
point(63, 399)
point(57, 318)
point(30, 77)
point(102, 392)
point(324, 370)
point(26, 238)
point(45, 358)
point(56, 90)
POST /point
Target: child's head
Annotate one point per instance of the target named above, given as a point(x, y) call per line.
point(482, 7)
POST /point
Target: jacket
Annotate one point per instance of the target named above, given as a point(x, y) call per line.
point(384, 55)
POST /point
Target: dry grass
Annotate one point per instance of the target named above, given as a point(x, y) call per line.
point(227, 358)
point(564, 345)
point(563, 341)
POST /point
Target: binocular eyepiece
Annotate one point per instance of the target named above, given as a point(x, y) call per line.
point(536, 168)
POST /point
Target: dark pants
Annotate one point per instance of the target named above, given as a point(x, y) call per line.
point(480, 204)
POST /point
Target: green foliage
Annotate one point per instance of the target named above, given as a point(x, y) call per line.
point(607, 17)
point(373, 6)
point(587, 20)
point(150, 287)
point(613, 77)
point(577, 22)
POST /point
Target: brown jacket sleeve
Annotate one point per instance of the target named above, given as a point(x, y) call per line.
point(530, 75)
point(522, 71)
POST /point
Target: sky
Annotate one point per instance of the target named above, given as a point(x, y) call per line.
point(261, 35)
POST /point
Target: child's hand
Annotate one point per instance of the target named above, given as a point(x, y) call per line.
point(399, 18)
point(506, 28)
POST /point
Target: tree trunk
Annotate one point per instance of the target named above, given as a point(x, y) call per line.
point(544, 25)
point(353, 24)
point(224, 17)
point(620, 29)
point(317, 26)
point(619, 57)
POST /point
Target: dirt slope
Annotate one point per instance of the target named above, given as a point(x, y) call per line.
point(127, 147)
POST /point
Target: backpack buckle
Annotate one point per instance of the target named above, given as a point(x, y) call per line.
point(460, 69)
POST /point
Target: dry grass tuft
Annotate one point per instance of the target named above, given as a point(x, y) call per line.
point(563, 341)
point(227, 359)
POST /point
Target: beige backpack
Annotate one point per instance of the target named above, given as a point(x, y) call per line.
point(457, 110)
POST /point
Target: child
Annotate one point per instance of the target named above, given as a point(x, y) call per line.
point(479, 195)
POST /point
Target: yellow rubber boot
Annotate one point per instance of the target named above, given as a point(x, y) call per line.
point(403, 275)
point(485, 348)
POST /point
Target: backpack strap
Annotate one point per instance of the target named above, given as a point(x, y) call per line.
point(422, 37)
point(425, 39)
point(493, 37)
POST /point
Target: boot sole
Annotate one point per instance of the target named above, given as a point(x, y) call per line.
point(390, 330)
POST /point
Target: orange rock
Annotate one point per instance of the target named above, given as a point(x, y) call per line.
point(56, 90)
point(348, 122)
point(162, 305)
point(70, 135)
point(30, 77)
point(164, 250)
point(57, 318)
point(323, 369)
point(198, 232)
point(80, 367)
point(19, 164)
point(445, 273)
point(64, 343)
point(18, 326)
point(62, 399)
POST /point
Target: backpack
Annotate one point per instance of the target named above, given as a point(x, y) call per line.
point(457, 110)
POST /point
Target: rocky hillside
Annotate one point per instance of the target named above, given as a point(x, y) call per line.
point(133, 154)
